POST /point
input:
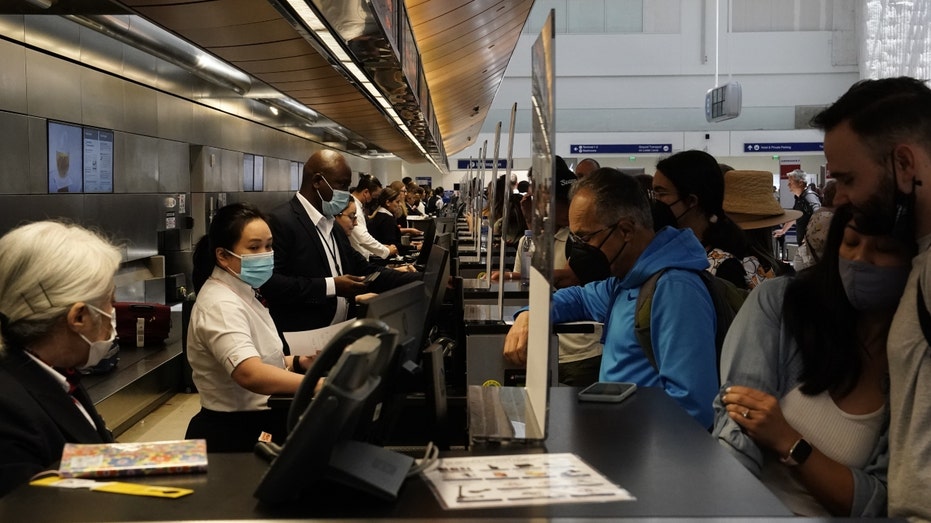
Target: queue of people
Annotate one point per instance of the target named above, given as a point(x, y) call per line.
point(819, 388)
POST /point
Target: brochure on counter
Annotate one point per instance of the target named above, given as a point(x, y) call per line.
point(525, 479)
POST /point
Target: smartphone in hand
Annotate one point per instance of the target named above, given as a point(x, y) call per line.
point(371, 277)
point(607, 392)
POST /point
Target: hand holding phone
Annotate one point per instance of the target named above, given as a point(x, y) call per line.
point(370, 278)
point(607, 392)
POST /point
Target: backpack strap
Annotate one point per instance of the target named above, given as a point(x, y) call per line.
point(642, 317)
point(924, 317)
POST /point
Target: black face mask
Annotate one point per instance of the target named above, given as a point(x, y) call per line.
point(589, 263)
point(662, 215)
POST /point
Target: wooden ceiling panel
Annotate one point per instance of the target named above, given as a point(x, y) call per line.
point(462, 72)
point(462, 68)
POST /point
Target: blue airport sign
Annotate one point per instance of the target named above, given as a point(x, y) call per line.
point(464, 164)
point(783, 147)
point(621, 148)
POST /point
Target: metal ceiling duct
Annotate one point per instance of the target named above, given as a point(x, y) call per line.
point(144, 35)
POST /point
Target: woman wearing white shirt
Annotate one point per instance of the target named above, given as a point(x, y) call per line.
point(233, 347)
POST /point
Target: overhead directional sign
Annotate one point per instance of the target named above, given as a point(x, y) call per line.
point(620, 148)
point(783, 147)
point(464, 164)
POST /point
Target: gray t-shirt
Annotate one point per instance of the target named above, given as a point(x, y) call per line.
point(910, 399)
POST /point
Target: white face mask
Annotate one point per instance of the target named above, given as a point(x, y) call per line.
point(103, 348)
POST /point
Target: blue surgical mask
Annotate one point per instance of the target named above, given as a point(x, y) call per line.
point(255, 269)
point(870, 287)
point(337, 203)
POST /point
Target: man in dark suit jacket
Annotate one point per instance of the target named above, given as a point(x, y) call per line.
point(37, 418)
point(317, 272)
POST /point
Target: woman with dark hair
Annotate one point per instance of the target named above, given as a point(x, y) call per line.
point(805, 377)
point(383, 225)
point(516, 223)
point(233, 346)
point(691, 185)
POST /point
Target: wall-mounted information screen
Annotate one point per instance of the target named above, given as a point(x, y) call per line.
point(80, 159)
point(98, 160)
point(65, 158)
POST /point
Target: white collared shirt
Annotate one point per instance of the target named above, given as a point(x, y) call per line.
point(362, 240)
point(228, 326)
point(57, 376)
point(324, 227)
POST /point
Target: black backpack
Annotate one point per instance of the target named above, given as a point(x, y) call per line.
point(726, 297)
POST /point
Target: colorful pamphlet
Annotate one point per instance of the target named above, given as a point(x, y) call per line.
point(133, 459)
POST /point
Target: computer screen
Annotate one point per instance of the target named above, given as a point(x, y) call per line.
point(403, 309)
point(436, 274)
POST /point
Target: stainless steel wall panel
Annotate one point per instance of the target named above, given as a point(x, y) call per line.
point(53, 89)
point(101, 51)
point(140, 66)
point(140, 109)
point(12, 77)
point(236, 133)
point(135, 164)
point(54, 33)
point(13, 26)
point(175, 118)
point(265, 201)
point(230, 171)
point(174, 79)
point(37, 155)
point(205, 169)
point(101, 99)
point(14, 165)
point(19, 209)
point(130, 219)
point(174, 166)
point(208, 129)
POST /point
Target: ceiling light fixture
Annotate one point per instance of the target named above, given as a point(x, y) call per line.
point(331, 45)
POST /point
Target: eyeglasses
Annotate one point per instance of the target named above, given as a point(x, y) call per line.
point(661, 193)
point(588, 237)
point(353, 217)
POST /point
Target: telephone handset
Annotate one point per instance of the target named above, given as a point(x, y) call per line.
point(330, 354)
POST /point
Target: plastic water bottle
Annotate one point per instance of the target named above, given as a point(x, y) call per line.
point(526, 255)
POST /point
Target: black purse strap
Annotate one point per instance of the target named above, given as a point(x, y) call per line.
point(924, 317)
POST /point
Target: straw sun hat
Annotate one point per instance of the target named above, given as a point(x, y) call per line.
point(749, 201)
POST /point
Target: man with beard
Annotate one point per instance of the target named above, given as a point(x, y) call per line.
point(878, 146)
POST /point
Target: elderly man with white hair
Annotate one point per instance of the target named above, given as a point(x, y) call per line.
point(805, 200)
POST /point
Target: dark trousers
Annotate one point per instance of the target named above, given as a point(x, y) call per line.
point(581, 373)
point(237, 431)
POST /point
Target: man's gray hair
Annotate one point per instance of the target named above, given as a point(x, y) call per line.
point(798, 176)
point(616, 195)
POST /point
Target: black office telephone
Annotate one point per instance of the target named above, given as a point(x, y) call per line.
point(320, 449)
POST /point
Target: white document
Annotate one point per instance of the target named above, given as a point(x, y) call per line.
point(520, 479)
point(310, 343)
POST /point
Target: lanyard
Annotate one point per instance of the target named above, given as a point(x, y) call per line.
point(330, 249)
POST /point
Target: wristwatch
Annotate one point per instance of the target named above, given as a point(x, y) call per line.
point(798, 453)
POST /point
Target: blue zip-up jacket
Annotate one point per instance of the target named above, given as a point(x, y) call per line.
point(682, 322)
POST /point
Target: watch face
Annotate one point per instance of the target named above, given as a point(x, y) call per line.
point(800, 452)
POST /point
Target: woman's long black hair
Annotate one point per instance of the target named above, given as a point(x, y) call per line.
point(225, 231)
point(819, 317)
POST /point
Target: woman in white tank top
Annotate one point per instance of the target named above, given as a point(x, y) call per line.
point(804, 399)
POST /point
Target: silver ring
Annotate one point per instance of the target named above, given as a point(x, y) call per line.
point(746, 413)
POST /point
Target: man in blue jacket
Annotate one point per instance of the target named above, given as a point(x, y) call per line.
point(612, 234)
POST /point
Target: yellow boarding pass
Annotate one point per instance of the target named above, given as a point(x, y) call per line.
point(115, 487)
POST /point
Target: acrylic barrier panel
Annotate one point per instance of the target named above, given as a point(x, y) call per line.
point(541, 350)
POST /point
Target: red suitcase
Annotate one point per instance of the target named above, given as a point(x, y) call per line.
point(142, 324)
